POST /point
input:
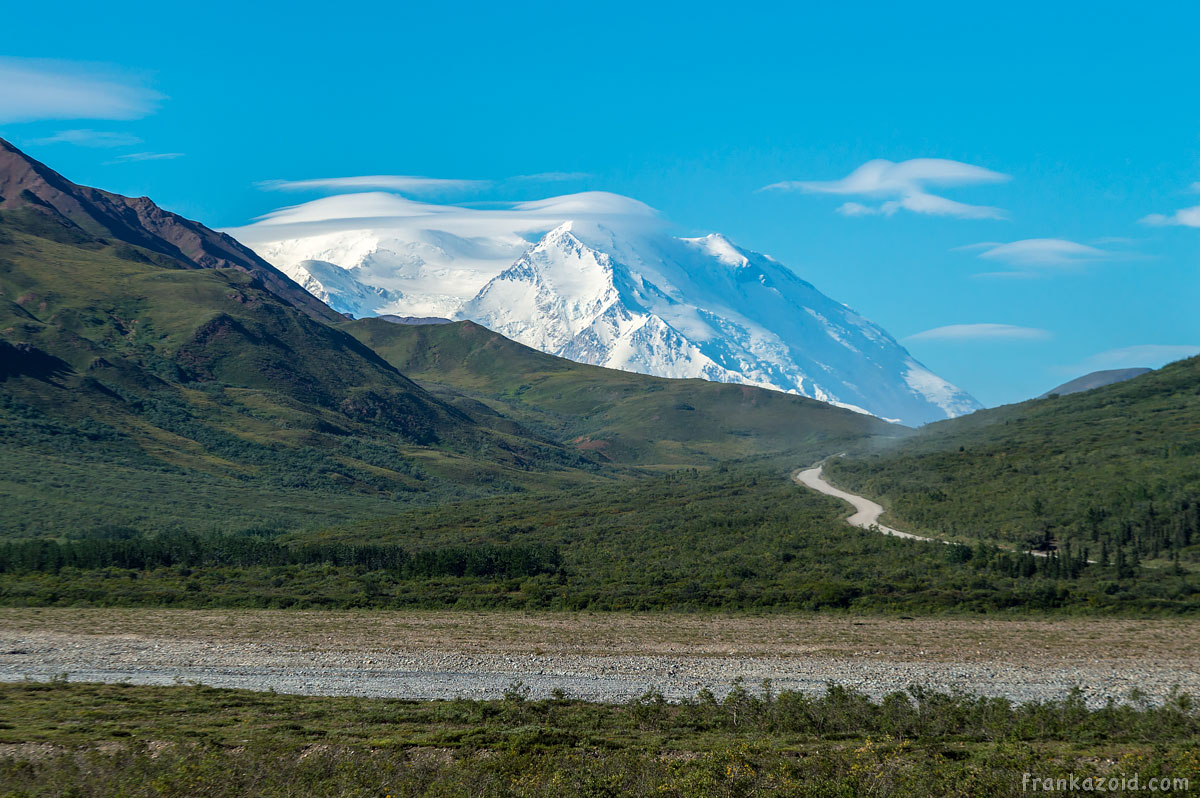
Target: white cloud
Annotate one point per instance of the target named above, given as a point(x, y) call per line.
point(32, 89)
point(1141, 356)
point(408, 184)
point(981, 332)
point(380, 210)
point(903, 186)
point(856, 209)
point(91, 138)
point(1185, 217)
point(1041, 252)
point(145, 156)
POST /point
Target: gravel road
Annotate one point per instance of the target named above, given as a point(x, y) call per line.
point(427, 674)
point(866, 512)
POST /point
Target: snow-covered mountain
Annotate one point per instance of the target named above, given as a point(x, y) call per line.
point(595, 278)
point(338, 288)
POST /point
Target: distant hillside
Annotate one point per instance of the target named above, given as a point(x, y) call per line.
point(1115, 470)
point(1097, 379)
point(618, 415)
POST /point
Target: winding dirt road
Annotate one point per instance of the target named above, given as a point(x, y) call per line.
point(866, 513)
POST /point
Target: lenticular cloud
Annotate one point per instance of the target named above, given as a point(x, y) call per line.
point(904, 186)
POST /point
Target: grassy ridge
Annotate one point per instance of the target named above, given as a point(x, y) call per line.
point(621, 416)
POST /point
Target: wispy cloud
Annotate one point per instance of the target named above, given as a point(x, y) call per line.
point(1184, 217)
point(904, 186)
point(145, 156)
point(1008, 275)
point(91, 138)
point(551, 177)
point(1140, 356)
point(411, 184)
point(1041, 252)
point(1036, 257)
point(981, 332)
point(405, 184)
point(33, 89)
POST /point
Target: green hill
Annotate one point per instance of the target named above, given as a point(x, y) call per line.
point(620, 416)
point(1114, 471)
point(122, 377)
point(144, 384)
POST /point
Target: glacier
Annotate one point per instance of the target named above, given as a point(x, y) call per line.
point(597, 278)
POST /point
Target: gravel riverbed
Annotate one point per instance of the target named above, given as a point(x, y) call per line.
point(431, 674)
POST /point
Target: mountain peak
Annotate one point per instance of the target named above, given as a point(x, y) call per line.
point(721, 248)
point(609, 286)
point(564, 232)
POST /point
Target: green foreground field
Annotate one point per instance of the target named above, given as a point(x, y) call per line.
point(99, 740)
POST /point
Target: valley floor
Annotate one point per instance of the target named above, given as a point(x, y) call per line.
point(597, 657)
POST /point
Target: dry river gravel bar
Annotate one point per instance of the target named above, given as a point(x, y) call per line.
point(432, 655)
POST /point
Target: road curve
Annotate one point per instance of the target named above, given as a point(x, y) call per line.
point(866, 512)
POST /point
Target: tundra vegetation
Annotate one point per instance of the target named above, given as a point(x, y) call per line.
point(98, 740)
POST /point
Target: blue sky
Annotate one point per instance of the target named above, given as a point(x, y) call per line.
point(1033, 216)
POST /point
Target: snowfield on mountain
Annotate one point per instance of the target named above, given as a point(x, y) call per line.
point(598, 279)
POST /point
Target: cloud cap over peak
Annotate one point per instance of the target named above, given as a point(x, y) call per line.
point(905, 185)
point(386, 211)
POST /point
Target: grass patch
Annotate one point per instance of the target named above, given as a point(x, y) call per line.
point(118, 740)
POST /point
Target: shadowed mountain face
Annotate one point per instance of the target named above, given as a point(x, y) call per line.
point(1097, 379)
point(30, 185)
